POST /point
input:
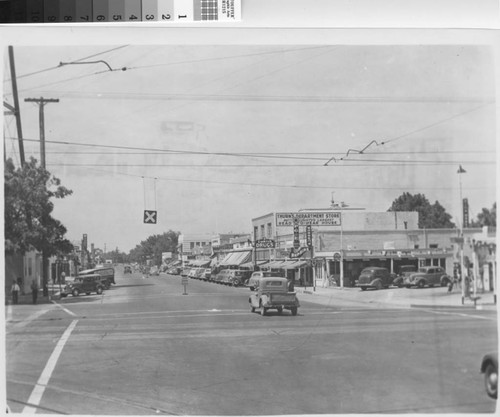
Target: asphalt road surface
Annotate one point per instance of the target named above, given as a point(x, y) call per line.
point(145, 348)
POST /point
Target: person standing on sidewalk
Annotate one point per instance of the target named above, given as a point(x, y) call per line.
point(34, 291)
point(15, 292)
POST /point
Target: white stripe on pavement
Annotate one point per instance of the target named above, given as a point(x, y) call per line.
point(64, 309)
point(36, 395)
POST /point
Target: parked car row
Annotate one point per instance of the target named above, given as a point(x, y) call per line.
point(409, 276)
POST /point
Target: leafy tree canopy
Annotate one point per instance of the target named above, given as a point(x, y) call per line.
point(430, 216)
point(28, 191)
point(154, 246)
point(486, 217)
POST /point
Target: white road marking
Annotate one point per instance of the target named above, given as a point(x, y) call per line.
point(39, 389)
point(64, 309)
point(452, 313)
point(28, 319)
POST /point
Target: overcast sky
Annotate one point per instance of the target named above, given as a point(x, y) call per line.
point(213, 136)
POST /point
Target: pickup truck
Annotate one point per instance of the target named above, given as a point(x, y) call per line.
point(272, 293)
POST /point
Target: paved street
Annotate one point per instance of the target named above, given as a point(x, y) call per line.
point(145, 348)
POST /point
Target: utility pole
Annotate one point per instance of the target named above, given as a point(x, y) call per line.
point(15, 110)
point(41, 103)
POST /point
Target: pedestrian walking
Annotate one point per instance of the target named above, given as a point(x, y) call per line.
point(34, 291)
point(15, 292)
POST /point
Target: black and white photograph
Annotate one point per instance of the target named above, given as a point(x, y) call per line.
point(224, 225)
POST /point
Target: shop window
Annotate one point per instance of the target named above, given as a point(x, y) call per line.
point(433, 246)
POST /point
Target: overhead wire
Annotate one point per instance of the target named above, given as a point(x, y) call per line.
point(58, 66)
point(270, 185)
point(272, 155)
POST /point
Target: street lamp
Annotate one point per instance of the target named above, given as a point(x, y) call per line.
point(462, 269)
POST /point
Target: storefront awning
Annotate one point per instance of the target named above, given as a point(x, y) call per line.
point(201, 263)
point(236, 258)
point(294, 264)
point(273, 265)
point(250, 265)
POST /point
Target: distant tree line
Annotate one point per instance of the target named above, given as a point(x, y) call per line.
point(434, 216)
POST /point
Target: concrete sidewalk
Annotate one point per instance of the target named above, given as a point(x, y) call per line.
point(395, 297)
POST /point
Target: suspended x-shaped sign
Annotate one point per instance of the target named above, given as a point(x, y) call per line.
point(150, 216)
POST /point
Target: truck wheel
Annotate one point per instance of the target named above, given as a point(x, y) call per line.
point(294, 311)
point(99, 290)
point(75, 293)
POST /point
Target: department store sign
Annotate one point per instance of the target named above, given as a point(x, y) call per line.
point(318, 218)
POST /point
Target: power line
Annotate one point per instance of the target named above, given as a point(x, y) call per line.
point(195, 61)
point(76, 60)
point(296, 186)
point(171, 152)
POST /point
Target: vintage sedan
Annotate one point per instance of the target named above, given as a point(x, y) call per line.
point(273, 293)
point(374, 277)
point(253, 281)
point(84, 284)
point(428, 275)
point(489, 367)
point(404, 272)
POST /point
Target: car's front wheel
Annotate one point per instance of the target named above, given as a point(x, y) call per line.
point(236, 283)
point(99, 290)
point(75, 293)
point(421, 284)
point(491, 380)
point(263, 310)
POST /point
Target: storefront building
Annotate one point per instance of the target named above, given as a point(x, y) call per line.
point(361, 239)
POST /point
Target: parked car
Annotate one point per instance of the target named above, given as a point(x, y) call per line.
point(428, 275)
point(199, 273)
point(207, 274)
point(273, 293)
point(154, 270)
point(175, 270)
point(185, 271)
point(84, 284)
point(222, 276)
point(489, 367)
point(253, 281)
point(404, 272)
point(127, 269)
point(374, 277)
point(239, 277)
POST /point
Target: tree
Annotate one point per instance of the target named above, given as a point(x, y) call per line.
point(154, 246)
point(28, 191)
point(486, 217)
point(430, 216)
